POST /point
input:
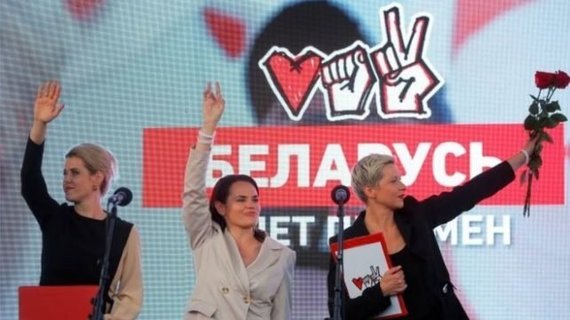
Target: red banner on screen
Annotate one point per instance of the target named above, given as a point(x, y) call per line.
point(298, 166)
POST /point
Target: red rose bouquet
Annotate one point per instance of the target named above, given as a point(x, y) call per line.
point(543, 113)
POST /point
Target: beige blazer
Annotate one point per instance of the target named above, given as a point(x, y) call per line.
point(126, 289)
point(225, 288)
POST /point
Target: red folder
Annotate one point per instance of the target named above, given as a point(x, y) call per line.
point(56, 302)
point(378, 252)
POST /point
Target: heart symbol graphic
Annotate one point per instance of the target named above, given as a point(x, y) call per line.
point(358, 282)
point(293, 78)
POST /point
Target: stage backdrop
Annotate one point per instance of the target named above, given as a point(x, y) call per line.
point(308, 92)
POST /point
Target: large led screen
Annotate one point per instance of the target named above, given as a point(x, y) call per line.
point(305, 100)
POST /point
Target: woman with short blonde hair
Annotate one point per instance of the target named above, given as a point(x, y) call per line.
point(419, 273)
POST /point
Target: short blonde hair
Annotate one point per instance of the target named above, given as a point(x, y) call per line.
point(368, 172)
point(96, 159)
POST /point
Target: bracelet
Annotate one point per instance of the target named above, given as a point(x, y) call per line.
point(205, 135)
point(526, 156)
point(205, 138)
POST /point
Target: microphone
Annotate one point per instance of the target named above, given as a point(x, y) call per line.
point(122, 197)
point(340, 194)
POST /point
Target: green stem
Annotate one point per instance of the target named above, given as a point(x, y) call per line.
point(550, 93)
point(526, 209)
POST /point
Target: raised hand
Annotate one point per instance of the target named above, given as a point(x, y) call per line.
point(212, 108)
point(46, 106)
point(522, 157)
point(531, 145)
point(406, 79)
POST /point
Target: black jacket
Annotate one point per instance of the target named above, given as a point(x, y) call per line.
point(416, 221)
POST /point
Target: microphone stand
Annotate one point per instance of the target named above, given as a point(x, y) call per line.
point(99, 303)
point(338, 293)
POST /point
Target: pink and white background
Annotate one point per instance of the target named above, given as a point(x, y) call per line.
point(132, 75)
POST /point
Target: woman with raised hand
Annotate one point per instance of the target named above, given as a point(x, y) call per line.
point(73, 236)
point(419, 271)
point(241, 273)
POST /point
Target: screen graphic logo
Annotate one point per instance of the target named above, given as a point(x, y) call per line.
point(395, 74)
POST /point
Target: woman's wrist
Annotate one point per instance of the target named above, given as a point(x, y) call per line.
point(209, 127)
point(40, 123)
point(526, 156)
point(205, 137)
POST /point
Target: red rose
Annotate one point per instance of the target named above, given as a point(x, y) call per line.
point(544, 80)
point(562, 80)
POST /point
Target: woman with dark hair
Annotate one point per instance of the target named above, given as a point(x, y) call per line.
point(240, 272)
point(73, 236)
point(221, 192)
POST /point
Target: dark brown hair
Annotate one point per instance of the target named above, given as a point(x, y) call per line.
point(221, 192)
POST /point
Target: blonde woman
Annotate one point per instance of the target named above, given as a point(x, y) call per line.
point(419, 271)
point(73, 236)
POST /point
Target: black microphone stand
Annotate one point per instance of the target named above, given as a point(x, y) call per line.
point(338, 293)
point(99, 303)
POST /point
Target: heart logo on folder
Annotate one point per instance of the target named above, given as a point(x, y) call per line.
point(358, 282)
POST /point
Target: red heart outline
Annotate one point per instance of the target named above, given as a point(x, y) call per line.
point(293, 77)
